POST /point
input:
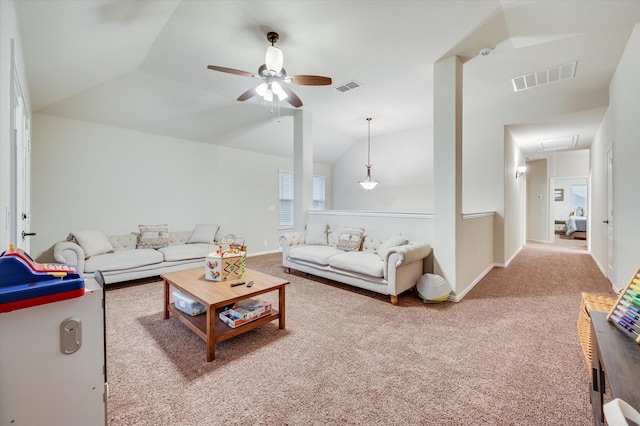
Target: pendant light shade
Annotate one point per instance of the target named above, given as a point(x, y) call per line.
point(368, 183)
point(274, 59)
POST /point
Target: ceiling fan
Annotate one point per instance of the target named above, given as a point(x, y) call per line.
point(273, 75)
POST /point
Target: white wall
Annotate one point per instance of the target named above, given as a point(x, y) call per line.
point(90, 176)
point(402, 162)
point(569, 164)
point(413, 226)
point(620, 129)
point(509, 232)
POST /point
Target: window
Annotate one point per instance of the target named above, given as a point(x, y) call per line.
point(285, 185)
point(578, 196)
point(286, 199)
point(318, 193)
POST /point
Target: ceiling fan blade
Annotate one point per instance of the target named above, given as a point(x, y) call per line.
point(248, 94)
point(231, 71)
point(292, 98)
point(310, 80)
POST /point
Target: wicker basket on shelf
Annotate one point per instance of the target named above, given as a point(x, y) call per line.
point(591, 302)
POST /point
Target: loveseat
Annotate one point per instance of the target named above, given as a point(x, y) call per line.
point(387, 265)
point(150, 252)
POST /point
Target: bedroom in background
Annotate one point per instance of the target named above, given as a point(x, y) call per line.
point(569, 206)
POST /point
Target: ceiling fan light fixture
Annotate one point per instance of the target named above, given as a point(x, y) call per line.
point(276, 88)
point(273, 75)
point(274, 59)
point(262, 89)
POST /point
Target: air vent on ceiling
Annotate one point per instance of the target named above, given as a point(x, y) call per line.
point(557, 73)
point(564, 142)
point(348, 86)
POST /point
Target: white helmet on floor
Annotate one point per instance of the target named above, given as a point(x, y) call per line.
point(433, 288)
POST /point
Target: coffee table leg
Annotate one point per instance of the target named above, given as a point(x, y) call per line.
point(166, 299)
point(211, 334)
point(281, 307)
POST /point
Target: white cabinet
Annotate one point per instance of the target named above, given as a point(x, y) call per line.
point(40, 384)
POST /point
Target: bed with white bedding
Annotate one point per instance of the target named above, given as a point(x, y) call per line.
point(576, 223)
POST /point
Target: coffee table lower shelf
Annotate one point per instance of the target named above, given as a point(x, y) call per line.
point(214, 296)
point(198, 324)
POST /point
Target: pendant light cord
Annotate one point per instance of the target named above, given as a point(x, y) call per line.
point(369, 142)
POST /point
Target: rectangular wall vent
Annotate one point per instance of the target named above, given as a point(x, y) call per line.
point(557, 73)
point(348, 86)
point(564, 142)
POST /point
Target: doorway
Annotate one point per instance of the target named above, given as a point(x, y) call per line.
point(20, 202)
point(569, 209)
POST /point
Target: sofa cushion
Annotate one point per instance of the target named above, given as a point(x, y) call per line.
point(360, 262)
point(153, 236)
point(124, 241)
point(392, 241)
point(93, 242)
point(350, 239)
point(184, 252)
point(203, 233)
point(316, 234)
point(122, 259)
point(315, 254)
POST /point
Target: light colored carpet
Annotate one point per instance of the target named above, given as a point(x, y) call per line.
point(508, 354)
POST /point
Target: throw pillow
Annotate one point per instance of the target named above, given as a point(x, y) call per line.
point(203, 234)
point(93, 242)
point(350, 239)
point(153, 236)
point(394, 240)
point(316, 234)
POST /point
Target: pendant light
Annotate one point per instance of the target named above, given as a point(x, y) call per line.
point(368, 183)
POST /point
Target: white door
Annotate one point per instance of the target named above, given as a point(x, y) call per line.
point(21, 171)
point(609, 220)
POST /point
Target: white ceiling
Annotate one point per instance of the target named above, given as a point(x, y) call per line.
point(141, 65)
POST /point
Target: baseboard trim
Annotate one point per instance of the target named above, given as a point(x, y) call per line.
point(513, 256)
point(264, 252)
point(458, 297)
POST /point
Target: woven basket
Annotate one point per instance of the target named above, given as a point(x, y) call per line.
point(591, 302)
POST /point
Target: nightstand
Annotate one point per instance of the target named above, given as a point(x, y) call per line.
point(560, 226)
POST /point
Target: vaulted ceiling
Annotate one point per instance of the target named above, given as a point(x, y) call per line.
point(142, 65)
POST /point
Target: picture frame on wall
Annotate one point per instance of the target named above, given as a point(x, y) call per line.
point(558, 194)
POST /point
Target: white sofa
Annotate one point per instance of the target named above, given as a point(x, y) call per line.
point(389, 265)
point(122, 257)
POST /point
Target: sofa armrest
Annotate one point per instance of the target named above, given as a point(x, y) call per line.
point(69, 253)
point(404, 254)
point(410, 252)
point(292, 239)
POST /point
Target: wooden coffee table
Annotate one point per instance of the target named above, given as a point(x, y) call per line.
point(215, 296)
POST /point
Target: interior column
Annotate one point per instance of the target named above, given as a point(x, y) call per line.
point(302, 167)
point(447, 152)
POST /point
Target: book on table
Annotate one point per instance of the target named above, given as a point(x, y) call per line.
point(249, 308)
point(245, 311)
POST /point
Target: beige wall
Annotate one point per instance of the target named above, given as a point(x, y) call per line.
point(402, 162)
point(537, 201)
point(90, 176)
